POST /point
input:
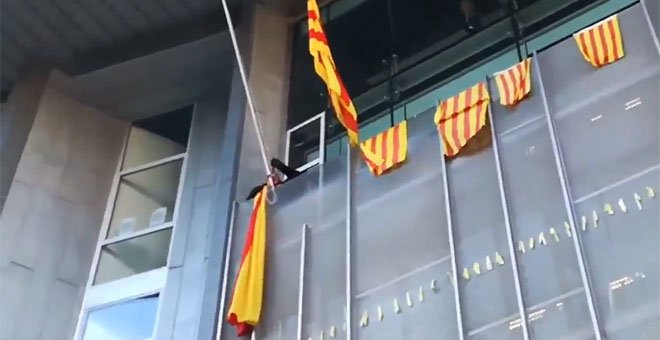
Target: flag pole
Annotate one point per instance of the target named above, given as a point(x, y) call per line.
point(248, 94)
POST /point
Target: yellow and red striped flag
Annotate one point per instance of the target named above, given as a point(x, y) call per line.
point(514, 83)
point(386, 150)
point(601, 44)
point(325, 67)
point(247, 299)
point(460, 117)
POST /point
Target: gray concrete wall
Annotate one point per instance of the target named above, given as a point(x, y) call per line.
point(15, 121)
point(269, 83)
point(189, 301)
point(50, 224)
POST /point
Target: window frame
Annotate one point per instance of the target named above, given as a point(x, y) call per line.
point(98, 296)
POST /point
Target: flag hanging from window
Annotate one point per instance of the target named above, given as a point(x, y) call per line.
point(601, 44)
point(459, 118)
point(514, 83)
point(325, 67)
point(386, 150)
point(246, 302)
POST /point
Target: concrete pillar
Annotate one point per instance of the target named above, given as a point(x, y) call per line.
point(52, 216)
point(16, 121)
point(270, 52)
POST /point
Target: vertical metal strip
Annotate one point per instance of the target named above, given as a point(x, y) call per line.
point(349, 241)
point(507, 223)
point(452, 248)
point(568, 204)
point(225, 274)
point(651, 29)
point(301, 280)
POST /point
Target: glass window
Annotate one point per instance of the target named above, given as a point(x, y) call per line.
point(158, 137)
point(132, 320)
point(145, 199)
point(133, 256)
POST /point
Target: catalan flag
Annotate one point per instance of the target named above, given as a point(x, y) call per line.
point(325, 67)
point(245, 309)
point(460, 117)
point(601, 44)
point(514, 83)
point(386, 150)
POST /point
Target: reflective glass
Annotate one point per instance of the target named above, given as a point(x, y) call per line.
point(158, 137)
point(145, 199)
point(132, 320)
point(133, 256)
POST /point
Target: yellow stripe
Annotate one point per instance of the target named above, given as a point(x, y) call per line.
point(446, 134)
point(389, 157)
point(500, 88)
point(528, 75)
point(403, 142)
point(619, 39)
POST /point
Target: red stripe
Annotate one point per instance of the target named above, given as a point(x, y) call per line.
point(466, 117)
point(443, 110)
point(317, 35)
point(312, 15)
point(521, 79)
point(454, 128)
point(506, 79)
point(243, 328)
point(615, 45)
point(601, 35)
point(395, 144)
point(593, 46)
point(583, 44)
point(383, 150)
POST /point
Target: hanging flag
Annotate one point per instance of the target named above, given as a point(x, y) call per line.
point(514, 83)
point(245, 309)
point(601, 44)
point(325, 67)
point(460, 117)
point(386, 150)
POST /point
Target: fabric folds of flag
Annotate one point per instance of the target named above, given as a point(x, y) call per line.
point(325, 67)
point(514, 83)
point(459, 118)
point(245, 308)
point(601, 44)
point(386, 150)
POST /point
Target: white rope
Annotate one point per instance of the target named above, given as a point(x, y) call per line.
point(250, 102)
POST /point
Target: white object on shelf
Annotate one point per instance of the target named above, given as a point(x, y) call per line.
point(158, 217)
point(127, 225)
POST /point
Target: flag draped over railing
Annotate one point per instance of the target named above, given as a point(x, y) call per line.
point(325, 67)
point(247, 299)
point(386, 150)
point(514, 83)
point(601, 44)
point(460, 117)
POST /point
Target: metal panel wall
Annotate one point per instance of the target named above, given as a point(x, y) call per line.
point(402, 248)
point(585, 137)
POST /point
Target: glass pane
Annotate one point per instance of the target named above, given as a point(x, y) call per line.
point(132, 320)
point(133, 256)
point(391, 218)
point(479, 232)
point(304, 144)
point(158, 137)
point(145, 199)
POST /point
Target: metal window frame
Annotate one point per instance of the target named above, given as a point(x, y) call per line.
point(153, 280)
point(321, 158)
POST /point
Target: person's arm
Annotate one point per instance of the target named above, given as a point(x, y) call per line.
point(289, 172)
point(255, 191)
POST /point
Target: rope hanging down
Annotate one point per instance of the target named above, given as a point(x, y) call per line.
point(239, 61)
